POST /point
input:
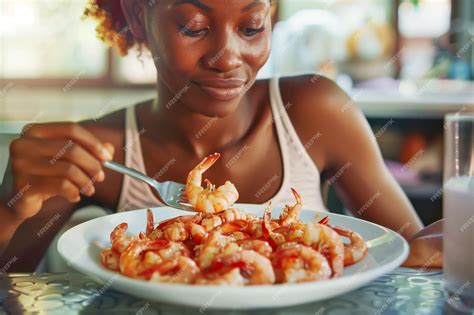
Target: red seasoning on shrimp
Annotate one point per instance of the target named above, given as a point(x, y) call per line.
point(221, 245)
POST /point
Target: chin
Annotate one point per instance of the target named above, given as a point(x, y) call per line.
point(215, 110)
point(210, 106)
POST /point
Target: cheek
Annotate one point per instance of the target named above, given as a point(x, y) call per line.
point(257, 52)
point(173, 57)
point(177, 56)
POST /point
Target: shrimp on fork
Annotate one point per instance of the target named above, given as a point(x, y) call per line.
point(209, 199)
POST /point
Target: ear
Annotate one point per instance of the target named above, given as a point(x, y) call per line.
point(135, 16)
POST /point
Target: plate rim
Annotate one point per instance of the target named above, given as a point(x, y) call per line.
point(363, 277)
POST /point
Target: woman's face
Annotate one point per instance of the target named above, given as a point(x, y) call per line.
point(208, 52)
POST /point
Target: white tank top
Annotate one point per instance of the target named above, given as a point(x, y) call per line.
point(299, 170)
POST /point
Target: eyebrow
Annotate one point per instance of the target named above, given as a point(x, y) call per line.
point(196, 3)
point(251, 6)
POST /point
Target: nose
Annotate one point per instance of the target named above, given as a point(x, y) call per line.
point(225, 54)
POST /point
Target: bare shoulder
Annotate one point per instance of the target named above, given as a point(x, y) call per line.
point(312, 85)
point(328, 123)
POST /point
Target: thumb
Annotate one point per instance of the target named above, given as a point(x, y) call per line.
point(110, 147)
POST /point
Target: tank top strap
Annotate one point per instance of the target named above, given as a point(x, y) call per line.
point(287, 126)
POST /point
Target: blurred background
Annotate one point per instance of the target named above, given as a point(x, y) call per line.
point(406, 63)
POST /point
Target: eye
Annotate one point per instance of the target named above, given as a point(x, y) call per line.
point(191, 33)
point(252, 31)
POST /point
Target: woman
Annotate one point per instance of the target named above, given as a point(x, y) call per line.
point(271, 134)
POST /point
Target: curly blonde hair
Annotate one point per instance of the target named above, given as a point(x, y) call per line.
point(112, 28)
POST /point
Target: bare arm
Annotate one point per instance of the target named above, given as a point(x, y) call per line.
point(364, 182)
point(23, 242)
point(348, 150)
point(53, 169)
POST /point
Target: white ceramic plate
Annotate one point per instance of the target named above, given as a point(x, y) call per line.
point(81, 245)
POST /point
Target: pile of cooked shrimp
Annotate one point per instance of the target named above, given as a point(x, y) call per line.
point(232, 247)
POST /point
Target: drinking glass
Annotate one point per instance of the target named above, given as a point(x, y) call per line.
point(458, 211)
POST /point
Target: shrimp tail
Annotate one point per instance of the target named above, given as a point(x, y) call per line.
point(119, 229)
point(324, 221)
point(150, 224)
point(297, 195)
point(356, 250)
point(209, 185)
point(274, 239)
point(207, 162)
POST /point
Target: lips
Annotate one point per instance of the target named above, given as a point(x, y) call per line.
point(222, 89)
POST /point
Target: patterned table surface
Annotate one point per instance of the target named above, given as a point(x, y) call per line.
point(404, 291)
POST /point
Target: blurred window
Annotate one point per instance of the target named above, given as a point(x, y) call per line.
point(367, 39)
point(134, 68)
point(422, 23)
point(48, 40)
point(424, 18)
point(45, 39)
point(336, 38)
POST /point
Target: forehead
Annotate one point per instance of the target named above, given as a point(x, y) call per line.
point(210, 5)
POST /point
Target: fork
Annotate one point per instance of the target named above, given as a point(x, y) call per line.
point(170, 193)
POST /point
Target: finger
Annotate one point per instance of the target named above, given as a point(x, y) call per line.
point(434, 229)
point(42, 167)
point(57, 150)
point(41, 190)
point(110, 147)
point(425, 253)
point(72, 131)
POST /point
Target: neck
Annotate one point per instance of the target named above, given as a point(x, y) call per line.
point(198, 134)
